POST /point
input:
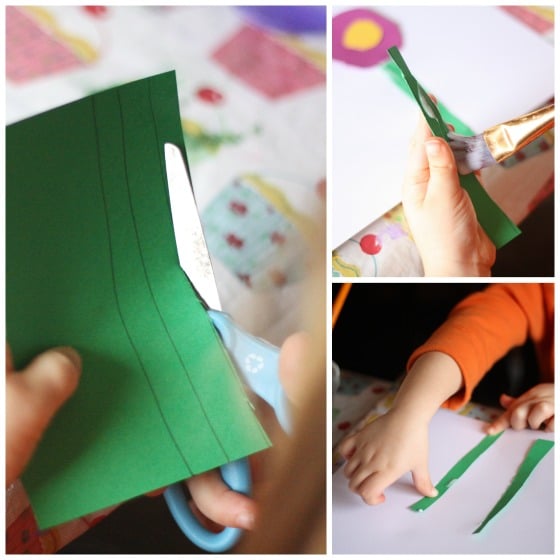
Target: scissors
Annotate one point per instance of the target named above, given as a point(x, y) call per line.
point(255, 359)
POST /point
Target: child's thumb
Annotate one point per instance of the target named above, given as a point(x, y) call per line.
point(33, 396)
point(51, 378)
point(443, 169)
point(423, 482)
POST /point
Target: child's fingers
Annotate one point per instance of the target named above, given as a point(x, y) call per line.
point(351, 466)
point(221, 504)
point(292, 367)
point(9, 361)
point(416, 155)
point(53, 376)
point(503, 421)
point(506, 400)
point(539, 414)
point(549, 425)
point(423, 482)
point(372, 488)
point(499, 425)
point(417, 171)
point(347, 447)
point(519, 415)
point(359, 474)
point(33, 397)
point(156, 493)
point(444, 180)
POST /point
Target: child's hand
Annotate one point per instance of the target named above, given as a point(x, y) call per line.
point(440, 213)
point(381, 452)
point(33, 396)
point(533, 409)
point(217, 506)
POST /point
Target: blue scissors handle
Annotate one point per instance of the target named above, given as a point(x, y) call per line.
point(257, 362)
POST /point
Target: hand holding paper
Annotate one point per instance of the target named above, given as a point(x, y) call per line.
point(33, 396)
point(440, 213)
point(92, 262)
point(499, 228)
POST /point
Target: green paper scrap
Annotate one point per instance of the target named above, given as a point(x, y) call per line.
point(537, 451)
point(499, 228)
point(447, 116)
point(456, 472)
point(91, 262)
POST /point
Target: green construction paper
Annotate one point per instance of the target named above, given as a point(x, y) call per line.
point(447, 116)
point(537, 451)
point(499, 228)
point(456, 472)
point(91, 262)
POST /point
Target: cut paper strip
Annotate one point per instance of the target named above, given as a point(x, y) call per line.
point(536, 452)
point(499, 228)
point(91, 262)
point(456, 472)
point(447, 116)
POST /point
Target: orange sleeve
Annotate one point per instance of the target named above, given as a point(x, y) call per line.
point(483, 327)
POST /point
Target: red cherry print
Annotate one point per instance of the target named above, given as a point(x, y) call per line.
point(277, 238)
point(234, 241)
point(238, 208)
point(371, 244)
point(96, 11)
point(209, 95)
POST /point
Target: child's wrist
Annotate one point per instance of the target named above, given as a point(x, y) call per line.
point(414, 412)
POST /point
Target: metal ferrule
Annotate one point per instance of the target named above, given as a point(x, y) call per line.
point(504, 140)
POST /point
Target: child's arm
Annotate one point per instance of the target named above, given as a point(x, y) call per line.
point(440, 213)
point(486, 325)
point(397, 442)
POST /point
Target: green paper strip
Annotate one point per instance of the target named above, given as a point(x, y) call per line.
point(537, 451)
point(499, 228)
point(455, 472)
point(397, 78)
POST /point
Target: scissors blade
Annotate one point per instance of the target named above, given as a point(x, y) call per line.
point(194, 257)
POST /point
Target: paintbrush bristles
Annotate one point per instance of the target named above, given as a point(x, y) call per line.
point(471, 152)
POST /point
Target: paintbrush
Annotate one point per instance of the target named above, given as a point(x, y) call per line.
point(499, 142)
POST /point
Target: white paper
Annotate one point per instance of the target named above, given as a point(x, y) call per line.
point(525, 525)
point(482, 63)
